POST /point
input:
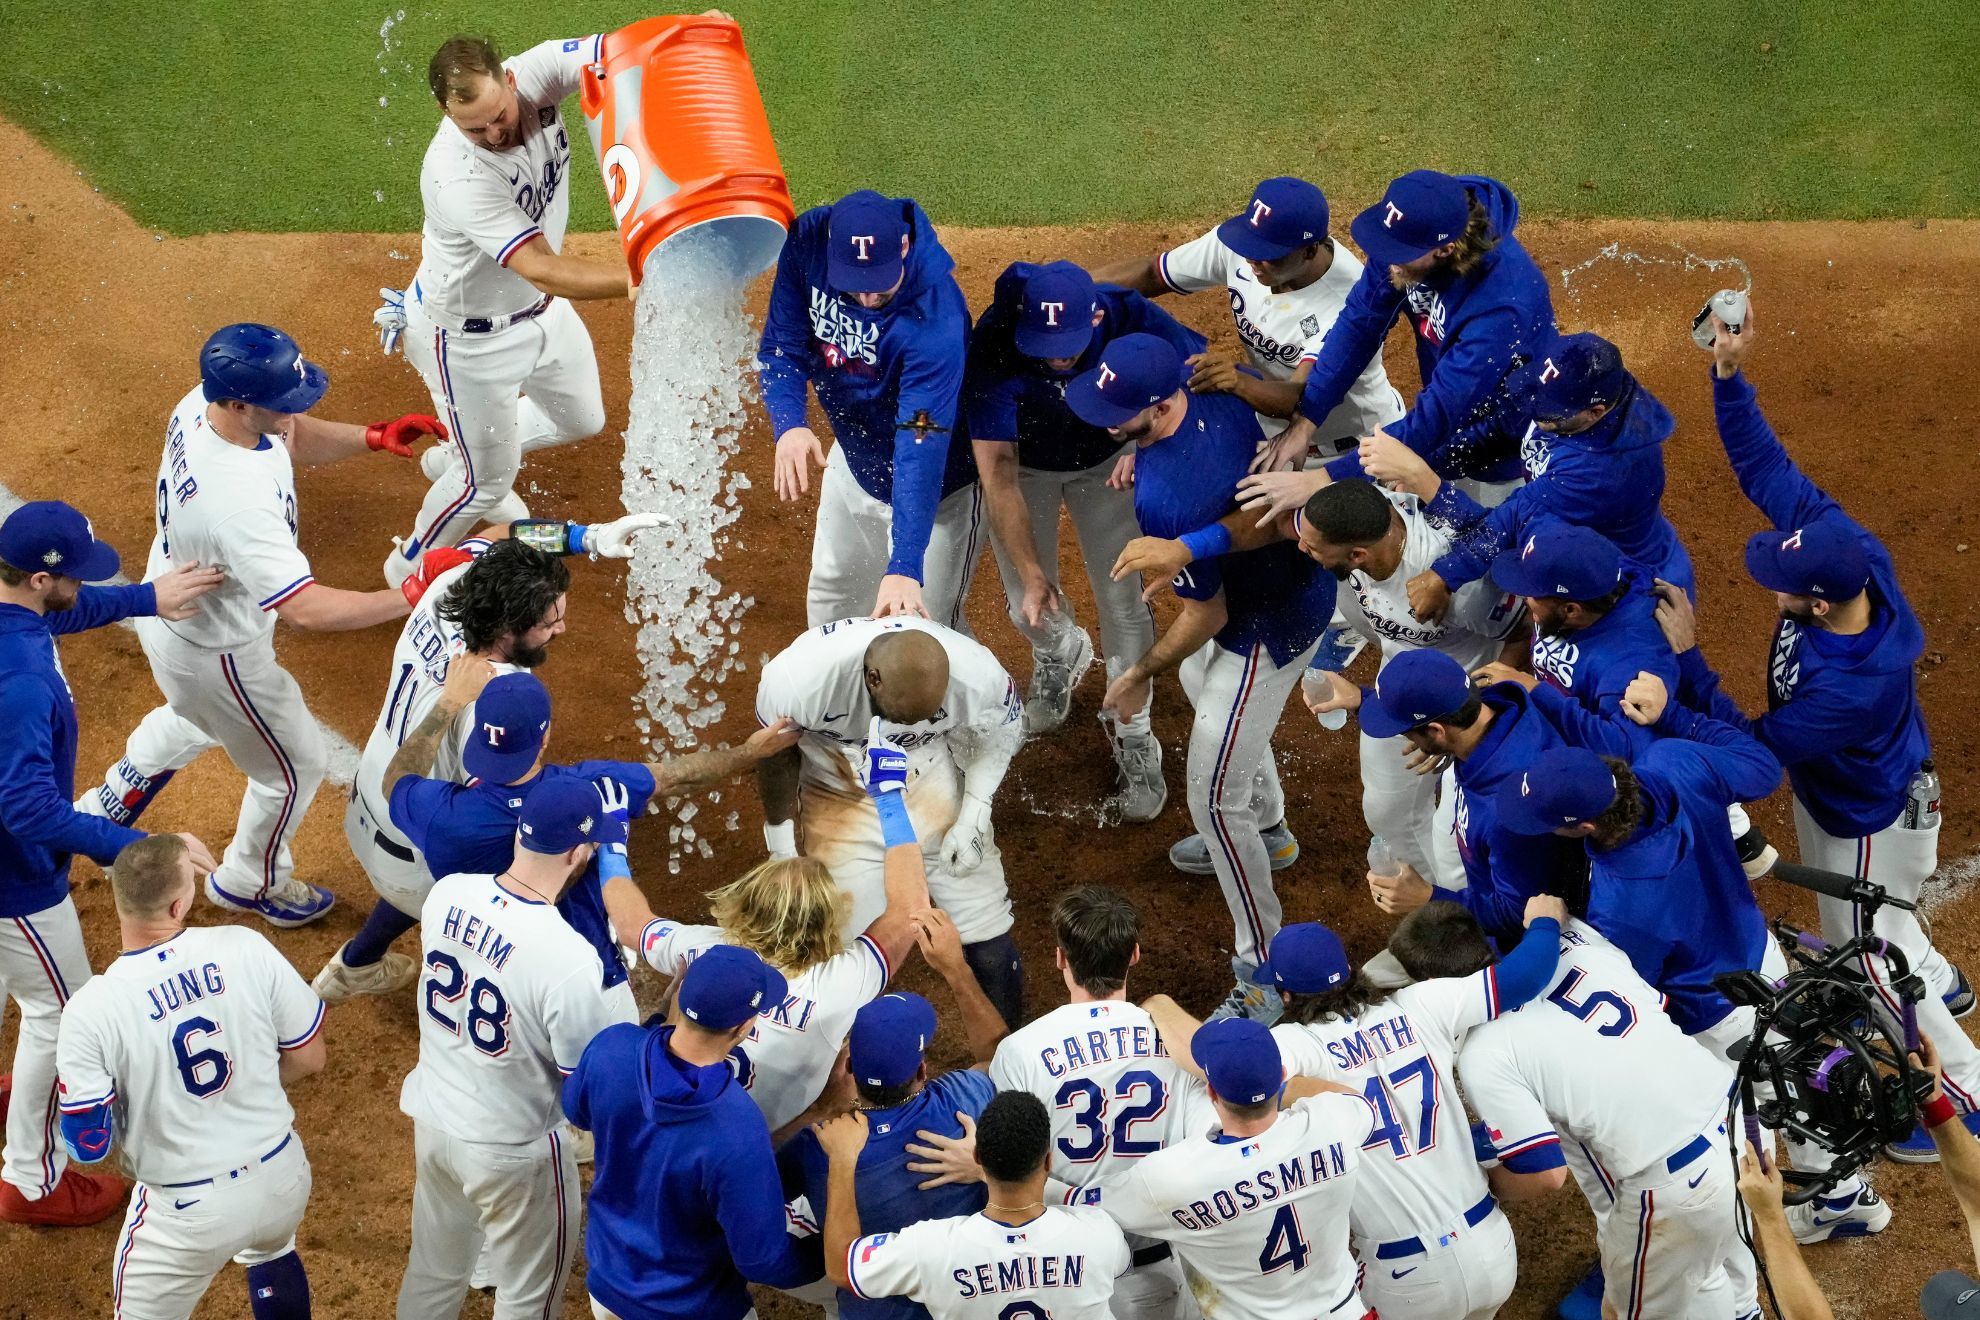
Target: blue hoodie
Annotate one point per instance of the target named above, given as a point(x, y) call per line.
point(1609, 478)
point(685, 1201)
point(1595, 666)
point(1842, 712)
point(39, 828)
point(1472, 332)
point(1013, 397)
point(890, 381)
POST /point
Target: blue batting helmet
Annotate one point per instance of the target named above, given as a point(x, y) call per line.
point(259, 365)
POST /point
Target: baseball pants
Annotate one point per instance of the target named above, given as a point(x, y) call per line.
point(1414, 814)
point(1234, 792)
point(1463, 1273)
point(853, 540)
point(42, 963)
point(1149, 1292)
point(478, 383)
point(176, 1239)
point(522, 1202)
point(1665, 1241)
point(402, 881)
point(245, 702)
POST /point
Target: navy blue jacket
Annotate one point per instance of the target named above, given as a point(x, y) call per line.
point(1596, 665)
point(40, 829)
point(890, 381)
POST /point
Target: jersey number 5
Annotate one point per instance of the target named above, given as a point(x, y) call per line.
point(1586, 1009)
point(1089, 1103)
point(487, 1010)
point(203, 1072)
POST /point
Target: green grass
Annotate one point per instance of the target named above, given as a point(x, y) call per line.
point(200, 115)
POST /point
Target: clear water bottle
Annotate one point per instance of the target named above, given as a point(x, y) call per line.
point(1921, 803)
point(1318, 687)
point(1381, 861)
point(1730, 306)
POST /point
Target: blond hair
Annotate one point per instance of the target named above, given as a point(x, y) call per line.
point(146, 875)
point(789, 911)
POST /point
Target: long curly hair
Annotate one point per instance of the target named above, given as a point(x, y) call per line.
point(789, 911)
point(504, 593)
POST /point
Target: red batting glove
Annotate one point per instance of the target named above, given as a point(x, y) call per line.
point(431, 565)
point(397, 435)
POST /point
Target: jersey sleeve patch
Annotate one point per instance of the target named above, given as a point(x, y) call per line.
point(861, 1251)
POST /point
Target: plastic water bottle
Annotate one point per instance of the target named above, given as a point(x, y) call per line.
point(1731, 307)
point(1317, 687)
point(1921, 803)
point(1380, 860)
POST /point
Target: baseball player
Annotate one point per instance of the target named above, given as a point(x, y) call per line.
point(181, 1052)
point(1575, 1067)
point(1843, 713)
point(1018, 1258)
point(47, 553)
point(227, 497)
point(511, 998)
point(1374, 541)
point(1249, 623)
point(488, 321)
point(1253, 1194)
point(945, 701)
point(503, 603)
point(1046, 325)
point(865, 309)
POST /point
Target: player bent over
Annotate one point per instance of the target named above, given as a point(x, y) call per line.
point(181, 1051)
point(227, 495)
point(512, 998)
point(1018, 1257)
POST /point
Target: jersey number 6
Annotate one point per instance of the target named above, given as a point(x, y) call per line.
point(487, 1010)
point(204, 1072)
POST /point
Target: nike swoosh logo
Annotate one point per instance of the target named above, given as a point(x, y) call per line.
point(1397, 1274)
point(180, 1205)
point(1695, 1181)
point(830, 719)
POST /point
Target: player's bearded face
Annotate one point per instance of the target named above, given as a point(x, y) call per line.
point(530, 649)
point(1549, 615)
point(62, 593)
point(1798, 609)
point(1141, 425)
point(1417, 271)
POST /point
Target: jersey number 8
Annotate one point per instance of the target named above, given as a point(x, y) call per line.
point(487, 1010)
point(1089, 1103)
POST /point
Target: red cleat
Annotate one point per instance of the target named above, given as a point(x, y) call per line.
point(78, 1199)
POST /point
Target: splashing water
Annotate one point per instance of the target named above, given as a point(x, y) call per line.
point(1685, 260)
point(692, 346)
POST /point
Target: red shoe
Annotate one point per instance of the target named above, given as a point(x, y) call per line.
point(6, 1094)
point(78, 1199)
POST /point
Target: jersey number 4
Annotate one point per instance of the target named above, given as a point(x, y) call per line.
point(487, 1010)
point(1145, 1096)
point(203, 1072)
point(1285, 1246)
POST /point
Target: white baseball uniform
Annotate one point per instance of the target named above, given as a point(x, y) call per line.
point(1260, 1223)
point(1106, 1078)
point(819, 681)
point(794, 1044)
point(182, 1040)
point(231, 508)
point(1432, 1241)
point(852, 546)
point(1059, 1266)
point(42, 964)
point(426, 646)
point(1282, 331)
point(1575, 1066)
point(508, 1000)
point(480, 335)
point(1399, 805)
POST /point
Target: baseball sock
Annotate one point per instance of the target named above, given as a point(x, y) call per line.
point(385, 924)
point(1000, 971)
point(278, 1289)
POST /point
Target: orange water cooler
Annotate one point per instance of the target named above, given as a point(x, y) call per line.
point(683, 141)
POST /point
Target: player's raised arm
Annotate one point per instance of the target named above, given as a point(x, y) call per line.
point(1141, 274)
point(467, 675)
point(713, 765)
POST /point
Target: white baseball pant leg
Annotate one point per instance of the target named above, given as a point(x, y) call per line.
point(42, 963)
point(176, 1239)
point(1665, 1244)
point(1399, 805)
point(1900, 860)
point(852, 543)
point(1234, 791)
point(522, 1202)
point(1463, 1273)
point(477, 383)
point(245, 702)
point(1597, 1188)
point(401, 882)
point(1149, 1292)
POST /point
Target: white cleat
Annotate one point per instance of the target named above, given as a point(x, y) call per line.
point(1138, 756)
point(1053, 678)
point(339, 981)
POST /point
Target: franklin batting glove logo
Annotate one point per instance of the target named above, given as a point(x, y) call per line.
point(1394, 213)
point(864, 242)
point(1258, 212)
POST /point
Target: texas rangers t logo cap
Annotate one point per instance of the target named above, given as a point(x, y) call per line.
point(864, 243)
point(1284, 215)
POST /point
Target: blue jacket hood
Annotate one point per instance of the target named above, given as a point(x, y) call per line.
point(1639, 421)
point(1498, 201)
point(928, 262)
point(672, 1090)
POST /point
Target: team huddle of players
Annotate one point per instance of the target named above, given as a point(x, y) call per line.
point(1551, 777)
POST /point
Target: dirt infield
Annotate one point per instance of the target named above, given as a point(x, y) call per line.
point(1857, 369)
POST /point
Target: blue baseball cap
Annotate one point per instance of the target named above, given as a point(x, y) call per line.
point(1824, 559)
point(48, 536)
point(889, 1036)
point(561, 814)
point(863, 243)
point(1411, 690)
point(1305, 959)
point(1055, 319)
point(1573, 374)
point(259, 365)
point(1134, 373)
point(1421, 211)
point(1240, 1059)
point(511, 719)
point(726, 986)
point(1560, 560)
point(1284, 215)
point(1563, 786)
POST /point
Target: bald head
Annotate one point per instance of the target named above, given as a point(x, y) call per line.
point(907, 675)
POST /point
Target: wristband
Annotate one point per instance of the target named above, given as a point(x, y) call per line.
point(781, 839)
point(1937, 1111)
point(613, 864)
point(574, 534)
point(1207, 542)
point(895, 826)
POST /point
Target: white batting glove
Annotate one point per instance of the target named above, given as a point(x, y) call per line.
point(969, 837)
point(390, 318)
point(613, 540)
point(884, 766)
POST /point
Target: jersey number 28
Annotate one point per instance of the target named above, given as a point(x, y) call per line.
point(487, 1010)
